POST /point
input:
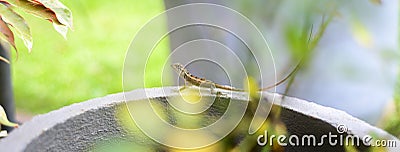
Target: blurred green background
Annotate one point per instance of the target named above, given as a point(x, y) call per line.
point(88, 64)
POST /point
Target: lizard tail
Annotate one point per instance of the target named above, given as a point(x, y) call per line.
point(284, 79)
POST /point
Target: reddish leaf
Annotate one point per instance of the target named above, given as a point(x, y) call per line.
point(63, 14)
point(19, 24)
point(51, 10)
point(6, 34)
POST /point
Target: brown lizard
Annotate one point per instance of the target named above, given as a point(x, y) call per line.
point(202, 82)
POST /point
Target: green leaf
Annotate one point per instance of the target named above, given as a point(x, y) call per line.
point(19, 24)
point(3, 133)
point(251, 87)
point(4, 120)
point(361, 34)
point(4, 59)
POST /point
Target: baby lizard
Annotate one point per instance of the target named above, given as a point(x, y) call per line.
point(201, 82)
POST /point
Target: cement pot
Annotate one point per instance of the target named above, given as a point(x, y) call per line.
point(101, 124)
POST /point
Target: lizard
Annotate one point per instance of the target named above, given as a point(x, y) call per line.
point(202, 82)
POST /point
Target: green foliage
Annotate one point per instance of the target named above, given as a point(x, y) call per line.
point(397, 95)
point(302, 44)
point(393, 124)
point(89, 64)
point(4, 119)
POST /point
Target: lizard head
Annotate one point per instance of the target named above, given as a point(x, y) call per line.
point(179, 68)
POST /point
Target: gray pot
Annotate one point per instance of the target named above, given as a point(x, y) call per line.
point(97, 125)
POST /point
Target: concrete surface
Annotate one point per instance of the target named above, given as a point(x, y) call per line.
point(81, 126)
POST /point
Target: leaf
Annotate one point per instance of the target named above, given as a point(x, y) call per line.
point(4, 120)
point(4, 59)
point(361, 34)
point(6, 34)
point(19, 24)
point(251, 87)
point(63, 14)
point(62, 29)
point(376, 2)
point(51, 10)
point(3, 133)
point(35, 8)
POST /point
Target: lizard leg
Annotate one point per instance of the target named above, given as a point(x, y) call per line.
point(185, 85)
point(182, 88)
point(213, 91)
point(212, 88)
point(219, 94)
